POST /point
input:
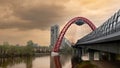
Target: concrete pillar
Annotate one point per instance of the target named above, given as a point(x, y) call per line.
point(111, 56)
point(77, 52)
point(80, 52)
point(100, 55)
point(74, 51)
point(91, 55)
point(84, 51)
point(107, 56)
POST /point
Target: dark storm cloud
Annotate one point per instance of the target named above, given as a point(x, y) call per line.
point(40, 16)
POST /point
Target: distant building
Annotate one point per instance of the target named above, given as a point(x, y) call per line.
point(54, 35)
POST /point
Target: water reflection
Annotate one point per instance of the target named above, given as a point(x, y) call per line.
point(5, 62)
point(59, 61)
point(76, 62)
point(62, 61)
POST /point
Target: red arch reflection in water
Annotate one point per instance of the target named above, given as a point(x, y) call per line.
point(57, 62)
point(75, 60)
point(62, 33)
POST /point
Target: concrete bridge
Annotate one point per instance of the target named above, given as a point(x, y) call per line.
point(105, 38)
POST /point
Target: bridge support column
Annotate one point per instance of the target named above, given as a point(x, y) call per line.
point(75, 51)
point(100, 55)
point(84, 51)
point(112, 57)
point(107, 56)
point(78, 52)
point(91, 55)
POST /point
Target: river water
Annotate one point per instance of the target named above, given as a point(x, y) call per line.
point(62, 61)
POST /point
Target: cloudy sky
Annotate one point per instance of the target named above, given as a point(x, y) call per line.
point(23, 20)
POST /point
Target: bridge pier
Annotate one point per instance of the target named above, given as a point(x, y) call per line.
point(91, 54)
point(78, 52)
point(107, 56)
point(112, 57)
point(100, 55)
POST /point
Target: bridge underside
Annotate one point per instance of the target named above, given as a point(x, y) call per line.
point(111, 47)
point(107, 38)
point(109, 43)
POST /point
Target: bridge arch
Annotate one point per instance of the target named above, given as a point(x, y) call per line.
point(65, 28)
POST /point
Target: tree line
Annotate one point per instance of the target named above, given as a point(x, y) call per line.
point(12, 51)
point(7, 50)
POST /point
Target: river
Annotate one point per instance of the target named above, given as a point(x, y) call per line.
point(62, 61)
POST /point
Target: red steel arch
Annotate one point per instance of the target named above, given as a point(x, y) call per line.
point(65, 28)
